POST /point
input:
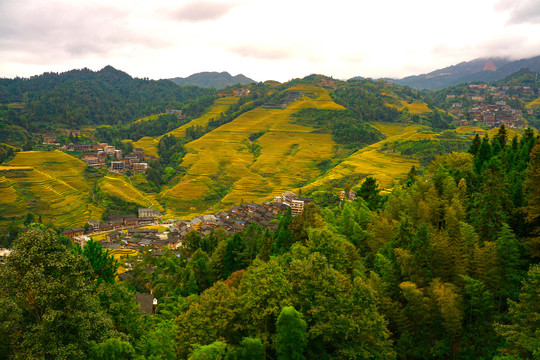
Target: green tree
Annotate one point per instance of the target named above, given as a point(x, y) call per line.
point(369, 191)
point(103, 263)
point(112, 349)
point(235, 257)
point(291, 338)
point(48, 308)
point(215, 351)
point(522, 334)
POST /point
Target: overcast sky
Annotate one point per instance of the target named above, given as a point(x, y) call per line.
point(262, 39)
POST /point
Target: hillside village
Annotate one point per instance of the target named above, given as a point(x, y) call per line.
point(492, 105)
point(125, 231)
point(99, 155)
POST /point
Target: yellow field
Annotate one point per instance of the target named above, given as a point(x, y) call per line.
point(533, 104)
point(150, 118)
point(220, 105)
point(287, 157)
point(118, 186)
point(387, 169)
point(118, 253)
point(149, 145)
point(414, 108)
point(55, 188)
point(160, 228)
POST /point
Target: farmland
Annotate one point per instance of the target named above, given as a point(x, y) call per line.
point(286, 156)
point(49, 184)
point(369, 161)
point(149, 144)
point(413, 108)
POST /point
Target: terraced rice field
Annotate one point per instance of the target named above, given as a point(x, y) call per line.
point(55, 188)
point(288, 154)
point(533, 104)
point(149, 144)
point(414, 108)
point(387, 169)
point(118, 186)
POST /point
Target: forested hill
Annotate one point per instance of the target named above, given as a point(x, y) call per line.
point(216, 80)
point(84, 97)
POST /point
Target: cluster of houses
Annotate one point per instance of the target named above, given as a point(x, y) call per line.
point(236, 219)
point(237, 92)
point(496, 114)
point(96, 155)
point(135, 162)
point(292, 96)
point(349, 195)
point(493, 114)
point(145, 216)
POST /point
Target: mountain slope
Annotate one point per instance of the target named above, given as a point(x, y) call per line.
point(216, 80)
point(483, 69)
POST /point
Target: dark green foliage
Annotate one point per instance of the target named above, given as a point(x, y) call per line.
point(521, 334)
point(112, 349)
point(82, 97)
point(291, 338)
point(369, 191)
point(103, 264)
point(236, 256)
point(48, 308)
point(346, 127)
point(283, 237)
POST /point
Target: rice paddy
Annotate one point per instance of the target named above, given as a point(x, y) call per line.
point(49, 184)
point(149, 144)
point(533, 104)
point(255, 178)
point(413, 108)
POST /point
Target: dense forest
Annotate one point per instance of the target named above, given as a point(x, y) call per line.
point(84, 97)
point(444, 267)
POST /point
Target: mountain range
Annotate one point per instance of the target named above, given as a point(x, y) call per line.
point(216, 80)
point(482, 69)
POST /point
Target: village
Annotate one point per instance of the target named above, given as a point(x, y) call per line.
point(491, 105)
point(138, 231)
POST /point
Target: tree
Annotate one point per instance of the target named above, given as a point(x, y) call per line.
point(103, 263)
point(291, 338)
point(112, 349)
point(46, 293)
point(235, 255)
point(369, 191)
point(214, 351)
point(522, 334)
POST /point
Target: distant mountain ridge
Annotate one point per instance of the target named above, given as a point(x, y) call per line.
point(483, 69)
point(213, 79)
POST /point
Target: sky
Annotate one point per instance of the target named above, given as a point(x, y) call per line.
point(262, 39)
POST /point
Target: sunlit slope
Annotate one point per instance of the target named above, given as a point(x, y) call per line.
point(413, 108)
point(288, 154)
point(533, 104)
point(118, 186)
point(53, 186)
point(369, 161)
point(149, 144)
